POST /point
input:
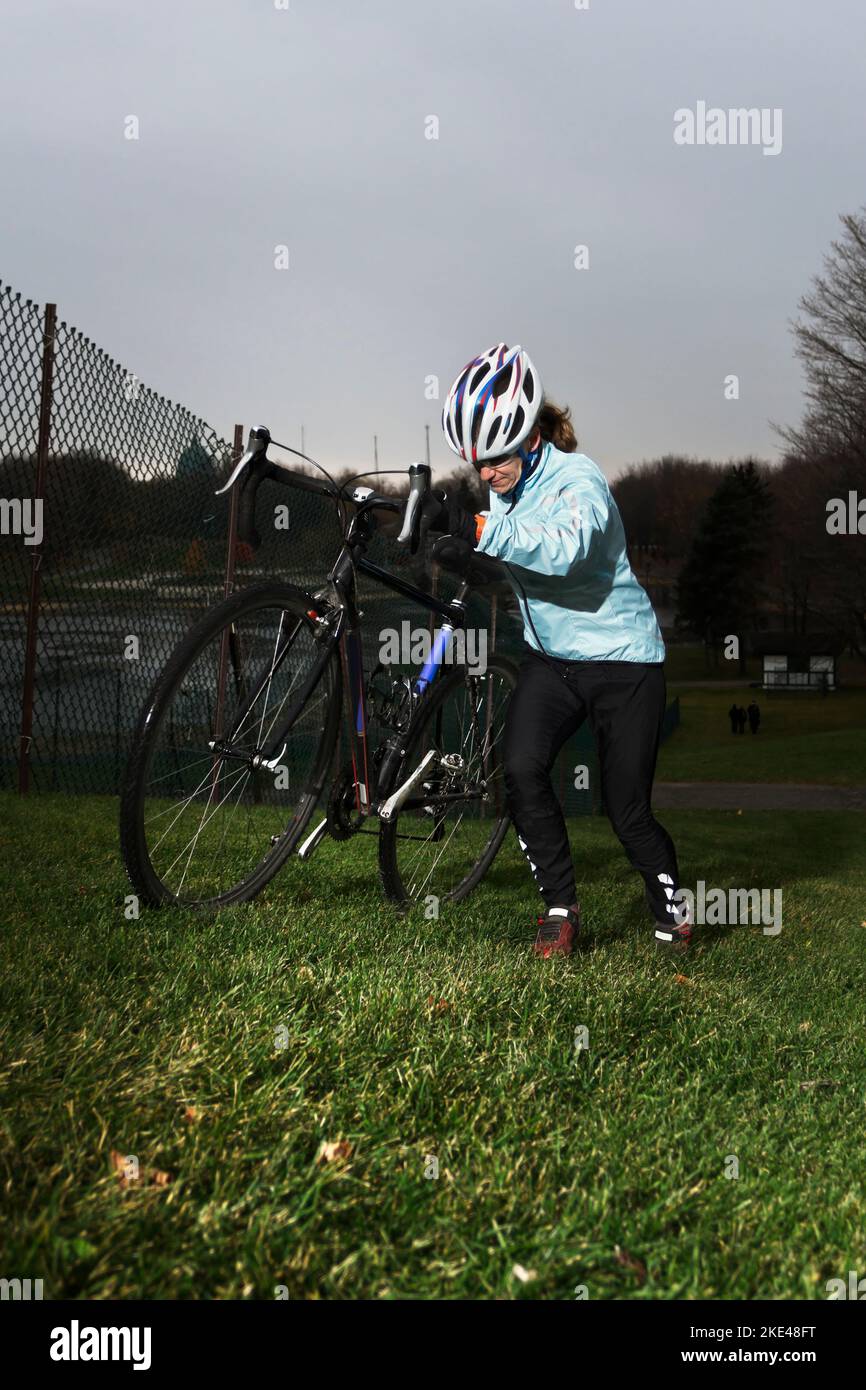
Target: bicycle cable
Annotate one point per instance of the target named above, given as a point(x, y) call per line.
point(338, 490)
point(548, 656)
point(338, 498)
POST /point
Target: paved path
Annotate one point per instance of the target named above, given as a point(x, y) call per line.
point(757, 796)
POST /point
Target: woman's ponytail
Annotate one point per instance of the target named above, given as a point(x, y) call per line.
point(556, 427)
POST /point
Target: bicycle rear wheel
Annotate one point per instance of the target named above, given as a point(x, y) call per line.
point(204, 821)
point(446, 835)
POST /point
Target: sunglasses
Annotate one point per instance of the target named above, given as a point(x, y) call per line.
point(496, 464)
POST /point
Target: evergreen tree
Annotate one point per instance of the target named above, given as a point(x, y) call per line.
point(721, 582)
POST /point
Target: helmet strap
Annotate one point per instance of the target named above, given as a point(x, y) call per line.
point(529, 460)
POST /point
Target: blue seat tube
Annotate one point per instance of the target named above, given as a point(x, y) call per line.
point(429, 671)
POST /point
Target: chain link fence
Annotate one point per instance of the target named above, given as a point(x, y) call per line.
point(113, 542)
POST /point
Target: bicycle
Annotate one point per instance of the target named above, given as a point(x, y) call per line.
point(239, 734)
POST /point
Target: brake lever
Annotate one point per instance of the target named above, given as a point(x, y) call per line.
point(419, 485)
point(257, 442)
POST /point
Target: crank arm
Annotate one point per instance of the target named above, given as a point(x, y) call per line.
point(389, 808)
point(313, 841)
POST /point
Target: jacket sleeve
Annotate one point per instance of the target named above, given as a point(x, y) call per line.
point(552, 538)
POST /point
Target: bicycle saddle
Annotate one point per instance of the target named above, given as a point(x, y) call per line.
point(458, 555)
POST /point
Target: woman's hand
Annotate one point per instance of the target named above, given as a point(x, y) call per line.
point(439, 512)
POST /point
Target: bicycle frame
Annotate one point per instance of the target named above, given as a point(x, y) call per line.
point(452, 614)
point(337, 621)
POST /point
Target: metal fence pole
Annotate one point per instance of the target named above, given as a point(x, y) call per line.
point(232, 541)
point(228, 583)
point(36, 554)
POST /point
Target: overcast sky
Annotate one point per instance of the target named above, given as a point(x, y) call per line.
point(307, 127)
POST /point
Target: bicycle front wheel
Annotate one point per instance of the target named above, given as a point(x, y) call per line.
point(209, 809)
point(447, 833)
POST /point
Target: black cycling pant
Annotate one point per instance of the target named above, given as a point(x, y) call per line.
point(624, 702)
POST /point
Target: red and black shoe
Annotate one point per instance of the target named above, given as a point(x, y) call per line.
point(557, 931)
point(678, 936)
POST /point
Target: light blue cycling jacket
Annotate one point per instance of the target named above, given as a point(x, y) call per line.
point(562, 535)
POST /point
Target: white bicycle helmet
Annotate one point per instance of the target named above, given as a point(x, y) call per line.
point(493, 405)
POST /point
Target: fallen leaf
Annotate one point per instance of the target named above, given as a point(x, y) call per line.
point(804, 1027)
point(190, 1115)
point(524, 1275)
point(438, 1008)
point(681, 980)
point(331, 1153)
point(120, 1165)
point(629, 1261)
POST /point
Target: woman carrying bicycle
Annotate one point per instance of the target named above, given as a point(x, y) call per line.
point(594, 649)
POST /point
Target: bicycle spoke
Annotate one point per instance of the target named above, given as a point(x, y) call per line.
point(469, 723)
point(211, 811)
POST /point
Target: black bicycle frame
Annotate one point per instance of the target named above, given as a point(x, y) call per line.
point(339, 624)
point(453, 613)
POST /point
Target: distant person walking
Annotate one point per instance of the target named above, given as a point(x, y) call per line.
point(734, 716)
point(741, 720)
point(754, 717)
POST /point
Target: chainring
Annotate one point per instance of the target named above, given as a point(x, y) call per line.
point(344, 818)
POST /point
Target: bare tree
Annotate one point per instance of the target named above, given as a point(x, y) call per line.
point(831, 344)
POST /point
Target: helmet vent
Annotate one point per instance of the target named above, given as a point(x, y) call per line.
point(493, 432)
point(503, 381)
point(519, 417)
point(479, 377)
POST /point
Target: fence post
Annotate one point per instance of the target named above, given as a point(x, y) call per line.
point(26, 737)
point(231, 544)
point(228, 582)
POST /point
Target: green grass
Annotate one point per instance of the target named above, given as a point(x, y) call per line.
point(585, 1168)
point(687, 661)
point(802, 738)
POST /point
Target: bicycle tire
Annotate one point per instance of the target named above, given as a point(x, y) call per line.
point(391, 878)
point(136, 858)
